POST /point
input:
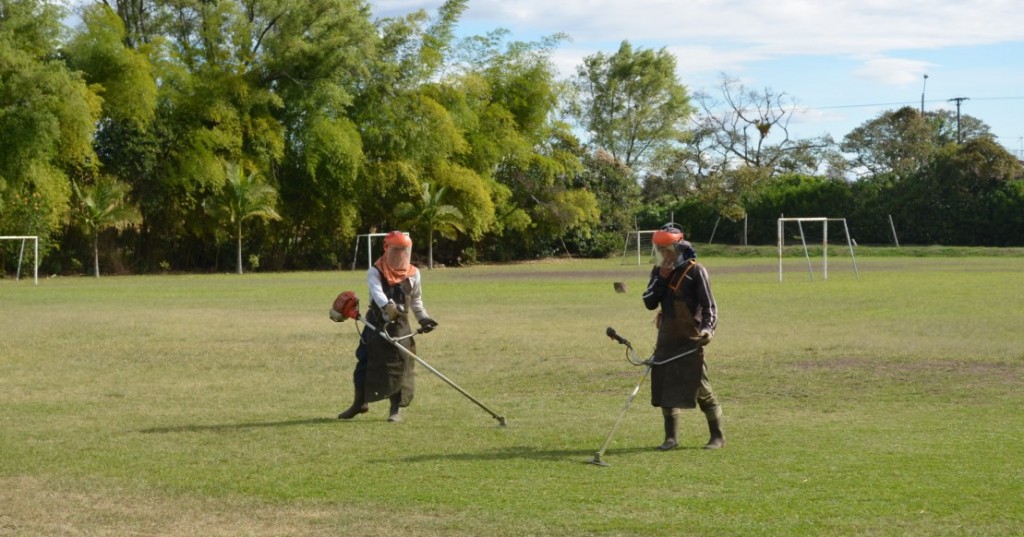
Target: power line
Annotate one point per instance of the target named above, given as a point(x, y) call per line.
point(854, 105)
point(904, 103)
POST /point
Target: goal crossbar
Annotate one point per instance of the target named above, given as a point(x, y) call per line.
point(824, 243)
point(368, 237)
point(21, 254)
point(639, 240)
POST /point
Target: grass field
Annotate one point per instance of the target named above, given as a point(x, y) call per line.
point(204, 405)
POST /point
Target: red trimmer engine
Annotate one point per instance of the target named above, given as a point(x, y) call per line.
point(346, 306)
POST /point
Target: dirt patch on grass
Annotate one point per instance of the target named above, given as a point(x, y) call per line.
point(32, 506)
point(997, 371)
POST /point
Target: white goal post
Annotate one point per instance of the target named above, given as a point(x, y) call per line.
point(824, 243)
point(637, 243)
point(21, 254)
point(368, 239)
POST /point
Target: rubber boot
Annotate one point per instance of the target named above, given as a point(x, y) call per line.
point(359, 406)
point(717, 438)
point(671, 429)
point(394, 414)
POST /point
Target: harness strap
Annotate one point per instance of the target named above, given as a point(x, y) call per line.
point(679, 281)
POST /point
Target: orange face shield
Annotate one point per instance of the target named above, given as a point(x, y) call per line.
point(397, 248)
point(667, 236)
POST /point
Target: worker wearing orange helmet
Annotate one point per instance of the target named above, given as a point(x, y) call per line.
point(382, 371)
point(686, 323)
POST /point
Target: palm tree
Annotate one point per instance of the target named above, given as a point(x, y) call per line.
point(243, 197)
point(103, 206)
point(434, 216)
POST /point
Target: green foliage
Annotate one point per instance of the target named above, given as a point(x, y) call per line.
point(897, 141)
point(432, 215)
point(902, 141)
point(967, 194)
point(802, 196)
point(962, 197)
point(631, 102)
point(316, 58)
point(47, 117)
point(347, 117)
point(122, 76)
point(616, 191)
point(504, 96)
point(32, 26)
point(544, 183)
point(104, 205)
point(244, 196)
point(470, 195)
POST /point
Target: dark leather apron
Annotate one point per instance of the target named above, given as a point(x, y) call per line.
point(675, 383)
point(389, 370)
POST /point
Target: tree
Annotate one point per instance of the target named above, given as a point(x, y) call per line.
point(956, 198)
point(736, 145)
point(408, 135)
point(630, 102)
point(748, 127)
point(618, 198)
point(897, 141)
point(243, 196)
point(504, 97)
point(103, 205)
point(947, 130)
point(902, 141)
point(123, 76)
point(318, 57)
point(433, 215)
point(47, 116)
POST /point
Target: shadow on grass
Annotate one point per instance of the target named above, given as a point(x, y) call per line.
point(236, 426)
point(530, 453)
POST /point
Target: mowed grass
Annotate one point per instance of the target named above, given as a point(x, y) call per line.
point(891, 404)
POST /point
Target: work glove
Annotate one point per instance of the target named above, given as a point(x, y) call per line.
point(657, 276)
point(427, 324)
point(391, 311)
point(703, 338)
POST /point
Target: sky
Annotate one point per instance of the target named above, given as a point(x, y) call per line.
point(841, 62)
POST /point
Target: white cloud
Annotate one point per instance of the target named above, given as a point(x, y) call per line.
point(695, 59)
point(804, 115)
point(893, 71)
point(690, 60)
point(781, 27)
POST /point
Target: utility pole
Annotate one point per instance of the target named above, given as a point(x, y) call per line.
point(922, 92)
point(959, 138)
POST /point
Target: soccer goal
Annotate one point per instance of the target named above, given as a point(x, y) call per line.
point(21, 254)
point(637, 245)
point(367, 239)
point(824, 243)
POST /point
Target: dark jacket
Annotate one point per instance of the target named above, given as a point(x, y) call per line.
point(693, 288)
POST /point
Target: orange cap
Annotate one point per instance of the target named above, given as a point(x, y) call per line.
point(667, 236)
point(397, 238)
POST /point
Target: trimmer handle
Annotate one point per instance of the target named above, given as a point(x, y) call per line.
point(610, 332)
